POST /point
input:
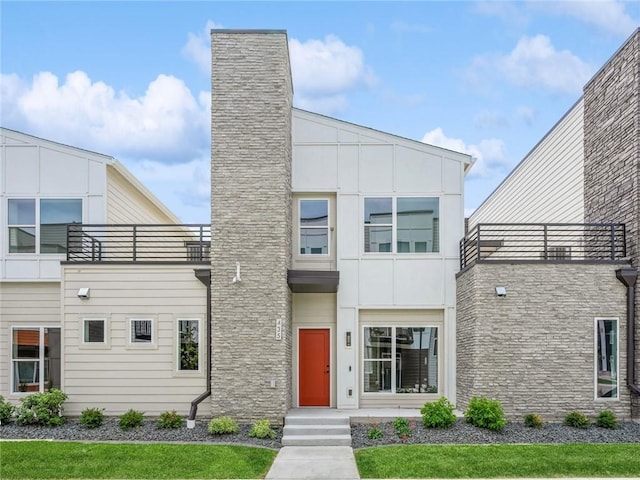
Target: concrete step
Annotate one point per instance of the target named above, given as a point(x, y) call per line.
point(311, 420)
point(316, 440)
point(316, 430)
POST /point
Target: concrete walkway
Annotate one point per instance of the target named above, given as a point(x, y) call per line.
point(317, 463)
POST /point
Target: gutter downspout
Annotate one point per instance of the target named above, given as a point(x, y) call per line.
point(628, 277)
point(204, 275)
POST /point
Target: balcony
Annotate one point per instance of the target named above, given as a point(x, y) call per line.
point(543, 242)
point(140, 243)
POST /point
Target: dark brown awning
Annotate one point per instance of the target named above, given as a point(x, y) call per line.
point(313, 281)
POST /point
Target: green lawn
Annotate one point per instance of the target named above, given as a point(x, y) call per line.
point(491, 461)
point(51, 460)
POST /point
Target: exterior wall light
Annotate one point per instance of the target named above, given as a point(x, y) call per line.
point(347, 339)
point(501, 291)
point(84, 293)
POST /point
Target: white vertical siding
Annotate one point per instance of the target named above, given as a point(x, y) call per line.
point(547, 186)
point(121, 376)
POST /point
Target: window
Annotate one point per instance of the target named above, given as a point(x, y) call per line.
point(400, 359)
point(35, 358)
point(41, 227)
point(94, 331)
point(401, 225)
point(188, 345)
point(141, 331)
point(314, 227)
point(606, 348)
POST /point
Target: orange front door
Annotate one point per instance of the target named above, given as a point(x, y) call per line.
point(313, 367)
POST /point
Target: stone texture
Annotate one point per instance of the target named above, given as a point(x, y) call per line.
point(534, 349)
point(251, 224)
point(612, 151)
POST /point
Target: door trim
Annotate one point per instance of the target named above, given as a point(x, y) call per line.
point(332, 369)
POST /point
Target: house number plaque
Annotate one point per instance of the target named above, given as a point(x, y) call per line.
point(279, 329)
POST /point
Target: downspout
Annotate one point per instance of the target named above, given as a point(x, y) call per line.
point(204, 275)
point(628, 277)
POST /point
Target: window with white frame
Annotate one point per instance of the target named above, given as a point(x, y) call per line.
point(94, 331)
point(40, 226)
point(188, 345)
point(141, 331)
point(400, 359)
point(606, 364)
point(35, 359)
point(401, 224)
point(314, 226)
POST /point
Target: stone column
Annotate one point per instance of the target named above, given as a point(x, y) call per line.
point(251, 224)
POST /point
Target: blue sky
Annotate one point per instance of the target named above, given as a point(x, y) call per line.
point(132, 79)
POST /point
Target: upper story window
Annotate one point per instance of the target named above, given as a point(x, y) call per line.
point(41, 226)
point(402, 225)
point(314, 227)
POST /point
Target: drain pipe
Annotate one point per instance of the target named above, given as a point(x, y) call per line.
point(204, 275)
point(628, 277)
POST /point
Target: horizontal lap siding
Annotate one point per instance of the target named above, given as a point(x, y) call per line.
point(123, 376)
point(28, 305)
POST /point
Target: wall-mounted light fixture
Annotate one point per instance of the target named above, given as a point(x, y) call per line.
point(347, 339)
point(237, 278)
point(84, 293)
point(501, 291)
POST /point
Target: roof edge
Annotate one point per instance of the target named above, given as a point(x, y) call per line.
point(247, 30)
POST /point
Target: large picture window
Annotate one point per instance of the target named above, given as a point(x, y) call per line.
point(314, 227)
point(401, 225)
point(400, 359)
point(188, 345)
point(41, 226)
point(606, 348)
point(35, 359)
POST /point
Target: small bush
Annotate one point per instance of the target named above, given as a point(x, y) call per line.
point(43, 408)
point(262, 429)
point(170, 420)
point(401, 426)
point(6, 410)
point(607, 419)
point(438, 414)
point(92, 417)
point(485, 413)
point(375, 433)
point(131, 419)
point(533, 420)
point(222, 425)
point(576, 420)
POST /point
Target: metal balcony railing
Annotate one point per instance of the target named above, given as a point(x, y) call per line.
point(543, 242)
point(141, 243)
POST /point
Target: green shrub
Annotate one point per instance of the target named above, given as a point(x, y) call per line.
point(485, 413)
point(131, 419)
point(170, 420)
point(576, 420)
point(438, 414)
point(222, 425)
point(262, 429)
point(6, 410)
point(533, 420)
point(607, 419)
point(401, 426)
point(43, 408)
point(375, 433)
point(92, 417)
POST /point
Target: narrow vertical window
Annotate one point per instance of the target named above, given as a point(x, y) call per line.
point(606, 348)
point(314, 227)
point(188, 345)
point(22, 225)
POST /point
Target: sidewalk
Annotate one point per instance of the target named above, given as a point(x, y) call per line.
point(317, 463)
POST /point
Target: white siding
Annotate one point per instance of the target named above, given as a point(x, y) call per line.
point(121, 376)
point(26, 305)
point(547, 186)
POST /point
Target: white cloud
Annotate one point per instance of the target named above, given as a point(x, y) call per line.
point(166, 122)
point(324, 71)
point(607, 15)
point(198, 47)
point(489, 154)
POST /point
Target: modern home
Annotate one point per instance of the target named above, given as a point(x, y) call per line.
point(546, 293)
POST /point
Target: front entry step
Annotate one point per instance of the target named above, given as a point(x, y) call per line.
point(325, 431)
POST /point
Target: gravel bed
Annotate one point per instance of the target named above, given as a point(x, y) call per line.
point(465, 433)
point(461, 433)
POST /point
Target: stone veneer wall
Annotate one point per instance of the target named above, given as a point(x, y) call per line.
point(251, 224)
point(534, 349)
point(612, 153)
